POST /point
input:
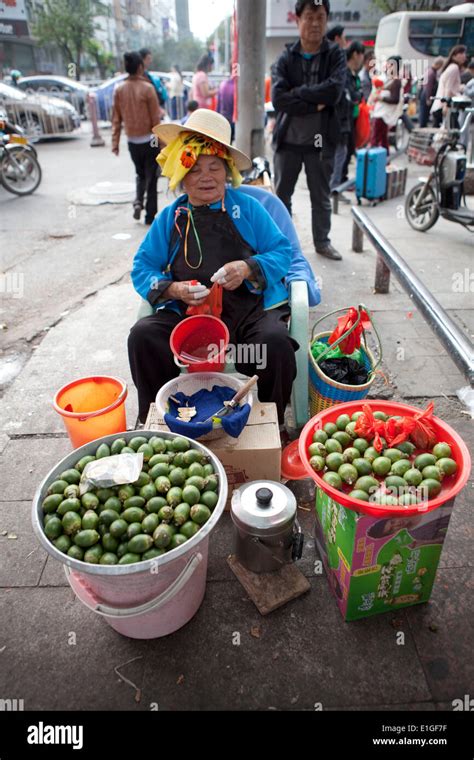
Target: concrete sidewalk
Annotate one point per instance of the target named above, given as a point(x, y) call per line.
point(302, 654)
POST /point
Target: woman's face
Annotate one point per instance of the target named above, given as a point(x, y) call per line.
point(205, 182)
point(460, 58)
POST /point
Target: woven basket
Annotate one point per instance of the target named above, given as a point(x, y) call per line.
point(325, 392)
point(198, 381)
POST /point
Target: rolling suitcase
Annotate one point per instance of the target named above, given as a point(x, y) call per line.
point(371, 176)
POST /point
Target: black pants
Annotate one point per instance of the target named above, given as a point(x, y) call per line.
point(147, 173)
point(152, 362)
point(318, 169)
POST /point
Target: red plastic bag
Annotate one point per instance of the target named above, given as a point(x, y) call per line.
point(212, 305)
point(368, 426)
point(398, 430)
point(362, 125)
point(423, 435)
point(344, 324)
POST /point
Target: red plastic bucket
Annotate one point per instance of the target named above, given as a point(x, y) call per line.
point(191, 342)
point(450, 486)
point(92, 407)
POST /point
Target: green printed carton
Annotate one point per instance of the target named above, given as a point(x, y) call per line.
point(378, 564)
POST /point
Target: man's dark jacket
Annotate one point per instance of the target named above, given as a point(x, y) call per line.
point(292, 96)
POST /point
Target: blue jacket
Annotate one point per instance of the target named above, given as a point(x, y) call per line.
point(272, 248)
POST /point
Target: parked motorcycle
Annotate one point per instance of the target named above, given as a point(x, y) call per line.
point(442, 193)
point(20, 172)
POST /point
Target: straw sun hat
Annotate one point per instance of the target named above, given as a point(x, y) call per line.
point(207, 123)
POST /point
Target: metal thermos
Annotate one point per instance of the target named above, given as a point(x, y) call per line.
point(266, 532)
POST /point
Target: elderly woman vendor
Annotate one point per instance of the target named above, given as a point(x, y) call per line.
point(212, 234)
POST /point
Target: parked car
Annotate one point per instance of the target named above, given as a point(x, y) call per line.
point(39, 115)
point(104, 94)
point(61, 87)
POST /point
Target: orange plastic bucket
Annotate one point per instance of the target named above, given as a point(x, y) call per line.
point(92, 407)
point(191, 342)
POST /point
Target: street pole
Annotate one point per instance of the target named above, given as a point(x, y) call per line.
point(251, 21)
point(97, 140)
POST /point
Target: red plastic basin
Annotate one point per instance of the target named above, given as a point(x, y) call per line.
point(451, 486)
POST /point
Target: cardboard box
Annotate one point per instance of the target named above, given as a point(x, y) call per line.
point(378, 564)
point(254, 455)
point(396, 181)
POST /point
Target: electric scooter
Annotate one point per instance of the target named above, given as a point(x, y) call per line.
point(442, 193)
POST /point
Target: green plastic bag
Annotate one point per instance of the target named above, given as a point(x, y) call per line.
point(318, 348)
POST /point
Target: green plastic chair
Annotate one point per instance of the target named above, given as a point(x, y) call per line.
point(299, 331)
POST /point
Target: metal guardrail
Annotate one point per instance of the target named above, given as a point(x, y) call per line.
point(460, 349)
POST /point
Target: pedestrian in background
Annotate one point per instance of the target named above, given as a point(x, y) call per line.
point(468, 72)
point(308, 81)
point(176, 94)
point(366, 72)
point(428, 90)
point(355, 59)
point(137, 108)
point(200, 91)
point(191, 107)
point(449, 82)
point(388, 105)
point(336, 35)
point(225, 101)
point(147, 59)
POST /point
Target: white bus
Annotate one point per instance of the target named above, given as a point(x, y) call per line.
point(418, 37)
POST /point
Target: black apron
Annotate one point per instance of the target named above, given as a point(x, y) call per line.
point(221, 243)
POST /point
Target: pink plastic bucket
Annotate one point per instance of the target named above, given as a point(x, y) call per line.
point(148, 599)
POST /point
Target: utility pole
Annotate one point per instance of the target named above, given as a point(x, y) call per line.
point(251, 23)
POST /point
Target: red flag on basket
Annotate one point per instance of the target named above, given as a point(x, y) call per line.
point(344, 324)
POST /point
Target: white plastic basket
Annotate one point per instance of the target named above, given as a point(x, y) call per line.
point(197, 381)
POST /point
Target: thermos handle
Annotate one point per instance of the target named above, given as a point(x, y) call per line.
point(298, 542)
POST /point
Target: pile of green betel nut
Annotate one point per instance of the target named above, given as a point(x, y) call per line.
point(394, 476)
point(172, 499)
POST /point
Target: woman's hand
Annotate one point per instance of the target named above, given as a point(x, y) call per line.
point(232, 275)
point(192, 295)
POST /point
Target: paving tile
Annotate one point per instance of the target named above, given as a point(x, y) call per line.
point(21, 559)
point(42, 665)
point(446, 651)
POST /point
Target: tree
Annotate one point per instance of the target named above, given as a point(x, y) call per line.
point(70, 25)
point(391, 6)
point(185, 53)
point(103, 59)
point(220, 33)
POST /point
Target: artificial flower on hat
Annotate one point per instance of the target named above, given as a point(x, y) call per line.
point(180, 155)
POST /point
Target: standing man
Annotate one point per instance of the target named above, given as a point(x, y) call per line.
point(308, 81)
point(366, 74)
point(137, 108)
point(343, 111)
point(355, 58)
point(336, 34)
point(147, 58)
point(428, 91)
